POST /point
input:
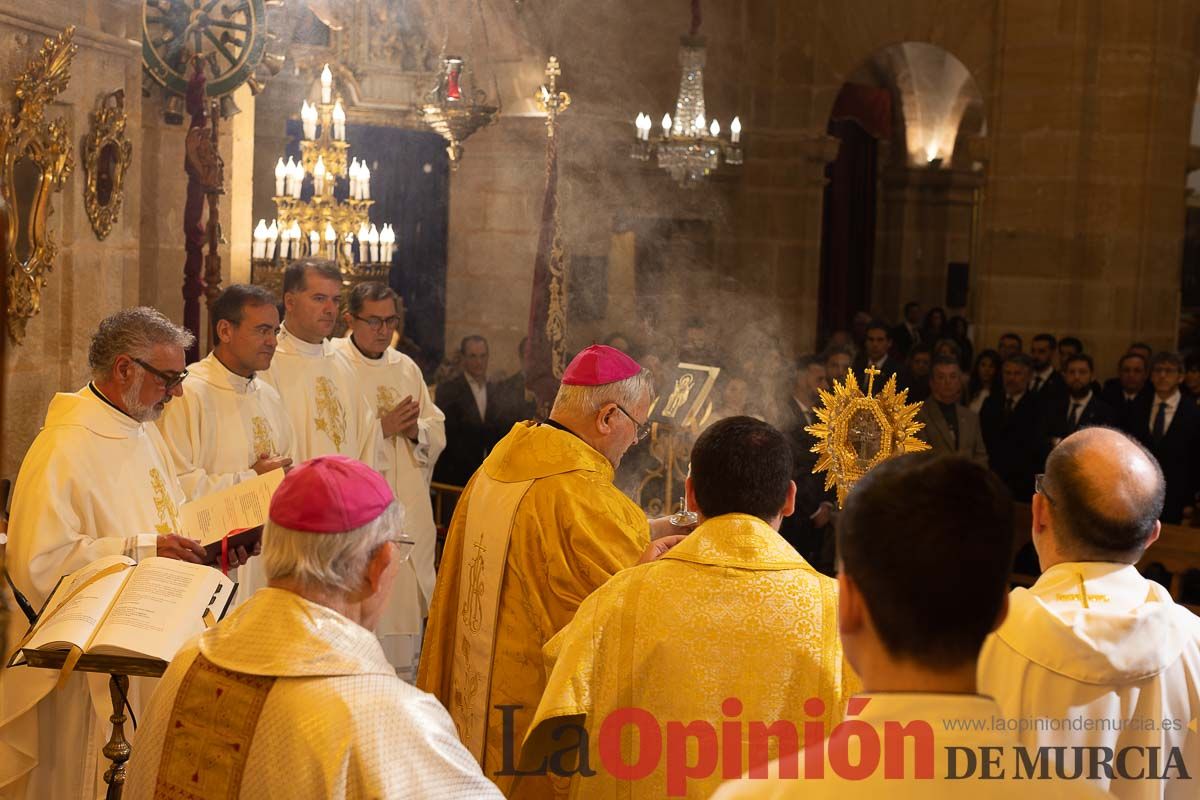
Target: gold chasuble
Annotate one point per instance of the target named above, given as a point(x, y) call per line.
point(715, 656)
point(287, 698)
point(539, 528)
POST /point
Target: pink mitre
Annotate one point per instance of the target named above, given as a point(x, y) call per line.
point(330, 494)
point(598, 365)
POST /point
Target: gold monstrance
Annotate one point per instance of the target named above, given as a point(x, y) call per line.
point(858, 431)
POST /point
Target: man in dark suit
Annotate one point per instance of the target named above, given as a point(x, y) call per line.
point(875, 354)
point(515, 403)
point(1170, 428)
point(1046, 383)
point(808, 528)
point(908, 332)
point(1129, 390)
point(1011, 429)
point(950, 427)
point(917, 372)
point(472, 425)
point(1082, 408)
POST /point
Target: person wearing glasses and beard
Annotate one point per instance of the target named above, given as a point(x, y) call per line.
point(539, 527)
point(415, 435)
point(97, 481)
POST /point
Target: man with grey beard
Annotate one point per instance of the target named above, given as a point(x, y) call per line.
point(97, 481)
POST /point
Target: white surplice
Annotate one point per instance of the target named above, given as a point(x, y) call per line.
point(94, 483)
point(1127, 659)
point(957, 722)
point(336, 723)
point(385, 382)
point(220, 426)
point(328, 416)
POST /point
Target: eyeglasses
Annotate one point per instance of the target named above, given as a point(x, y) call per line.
point(405, 546)
point(642, 428)
point(376, 323)
point(169, 379)
point(1039, 487)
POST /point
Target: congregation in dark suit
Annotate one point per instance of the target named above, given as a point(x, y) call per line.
point(468, 437)
point(1061, 423)
point(965, 438)
point(799, 529)
point(1177, 451)
point(1114, 395)
point(887, 368)
point(1014, 441)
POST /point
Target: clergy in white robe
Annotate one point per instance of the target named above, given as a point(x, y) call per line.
point(229, 425)
point(1093, 654)
point(97, 481)
point(415, 433)
point(327, 413)
point(291, 695)
point(916, 600)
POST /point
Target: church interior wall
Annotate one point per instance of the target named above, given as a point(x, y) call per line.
point(1082, 160)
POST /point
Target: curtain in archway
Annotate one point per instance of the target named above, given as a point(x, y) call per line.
point(861, 116)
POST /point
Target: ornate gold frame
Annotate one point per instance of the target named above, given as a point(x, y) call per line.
point(26, 134)
point(108, 128)
point(894, 419)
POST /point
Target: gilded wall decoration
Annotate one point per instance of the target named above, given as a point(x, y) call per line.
point(106, 156)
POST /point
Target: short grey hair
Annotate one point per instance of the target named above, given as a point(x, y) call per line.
point(586, 400)
point(333, 562)
point(133, 332)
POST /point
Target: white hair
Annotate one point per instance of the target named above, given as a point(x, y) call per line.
point(133, 332)
point(333, 562)
point(587, 400)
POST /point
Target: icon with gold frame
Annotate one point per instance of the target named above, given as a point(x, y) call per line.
point(857, 431)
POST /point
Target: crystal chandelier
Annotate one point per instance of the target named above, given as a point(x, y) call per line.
point(322, 225)
point(690, 146)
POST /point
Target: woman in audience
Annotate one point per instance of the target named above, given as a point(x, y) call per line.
point(934, 327)
point(958, 329)
point(985, 379)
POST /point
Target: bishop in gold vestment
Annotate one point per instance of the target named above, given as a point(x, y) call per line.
point(539, 528)
point(731, 626)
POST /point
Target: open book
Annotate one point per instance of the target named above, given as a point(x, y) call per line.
point(115, 607)
point(240, 510)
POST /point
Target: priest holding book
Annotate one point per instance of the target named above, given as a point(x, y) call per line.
point(291, 695)
point(98, 481)
point(414, 431)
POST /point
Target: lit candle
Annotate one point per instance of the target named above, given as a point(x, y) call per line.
point(637, 126)
point(699, 125)
point(331, 240)
point(319, 177)
point(353, 173)
point(297, 179)
point(314, 244)
point(364, 181)
point(272, 237)
point(348, 247)
point(387, 241)
point(280, 176)
point(295, 229)
point(326, 85)
point(364, 255)
point(308, 116)
point(339, 122)
point(714, 129)
point(666, 124)
point(259, 247)
point(373, 241)
point(735, 129)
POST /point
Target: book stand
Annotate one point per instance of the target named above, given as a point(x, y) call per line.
point(118, 668)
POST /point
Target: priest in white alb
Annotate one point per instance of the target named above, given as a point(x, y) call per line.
point(229, 425)
point(1094, 655)
point(415, 433)
point(327, 413)
point(291, 695)
point(97, 481)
